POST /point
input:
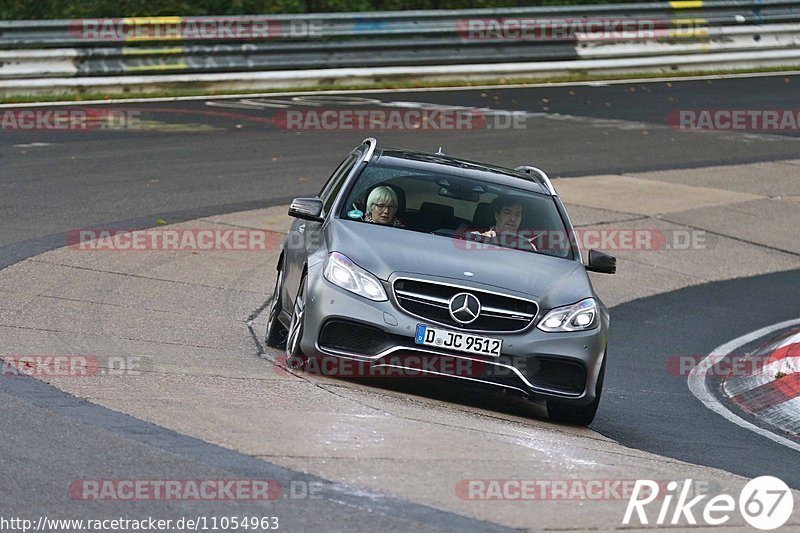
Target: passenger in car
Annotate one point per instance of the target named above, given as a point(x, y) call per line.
point(382, 207)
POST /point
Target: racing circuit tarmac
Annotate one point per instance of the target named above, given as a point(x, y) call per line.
point(621, 165)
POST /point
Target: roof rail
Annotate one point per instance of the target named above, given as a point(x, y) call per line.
point(538, 173)
point(373, 143)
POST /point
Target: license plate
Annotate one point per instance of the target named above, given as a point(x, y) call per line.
point(454, 340)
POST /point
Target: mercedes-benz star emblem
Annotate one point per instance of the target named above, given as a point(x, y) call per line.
point(464, 308)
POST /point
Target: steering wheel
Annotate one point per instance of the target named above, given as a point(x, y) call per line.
point(510, 239)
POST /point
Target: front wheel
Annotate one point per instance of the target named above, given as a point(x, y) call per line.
point(578, 415)
point(298, 321)
point(276, 332)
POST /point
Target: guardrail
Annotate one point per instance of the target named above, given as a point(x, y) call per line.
point(664, 36)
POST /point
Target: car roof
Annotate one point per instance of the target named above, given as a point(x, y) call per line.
point(458, 167)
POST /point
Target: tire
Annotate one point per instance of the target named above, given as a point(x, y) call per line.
point(578, 415)
point(276, 332)
point(298, 321)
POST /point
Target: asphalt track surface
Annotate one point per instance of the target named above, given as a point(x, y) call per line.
point(193, 160)
point(646, 410)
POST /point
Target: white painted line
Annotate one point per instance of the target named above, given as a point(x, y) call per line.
point(698, 387)
point(31, 145)
point(596, 83)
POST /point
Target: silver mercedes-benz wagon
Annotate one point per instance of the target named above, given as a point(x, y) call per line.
point(437, 266)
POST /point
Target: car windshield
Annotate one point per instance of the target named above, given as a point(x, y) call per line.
point(482, 213)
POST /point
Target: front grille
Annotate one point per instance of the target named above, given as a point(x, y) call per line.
point(352, 337)
point(430, 300)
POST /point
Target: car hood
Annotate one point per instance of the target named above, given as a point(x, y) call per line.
point(385, 251)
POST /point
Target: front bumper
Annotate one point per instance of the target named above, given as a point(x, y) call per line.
point(562, 366)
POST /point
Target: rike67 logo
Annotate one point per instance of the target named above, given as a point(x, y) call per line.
point(766, 503)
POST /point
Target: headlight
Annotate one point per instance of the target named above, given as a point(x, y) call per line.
point(340, 271)
point(577, 317)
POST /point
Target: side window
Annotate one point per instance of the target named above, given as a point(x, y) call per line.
point(334, 184)
point(332, 177)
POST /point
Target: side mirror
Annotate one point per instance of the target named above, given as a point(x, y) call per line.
point(307, 209)
point(601, 262)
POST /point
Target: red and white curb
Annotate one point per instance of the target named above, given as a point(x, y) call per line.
point(771, 392)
